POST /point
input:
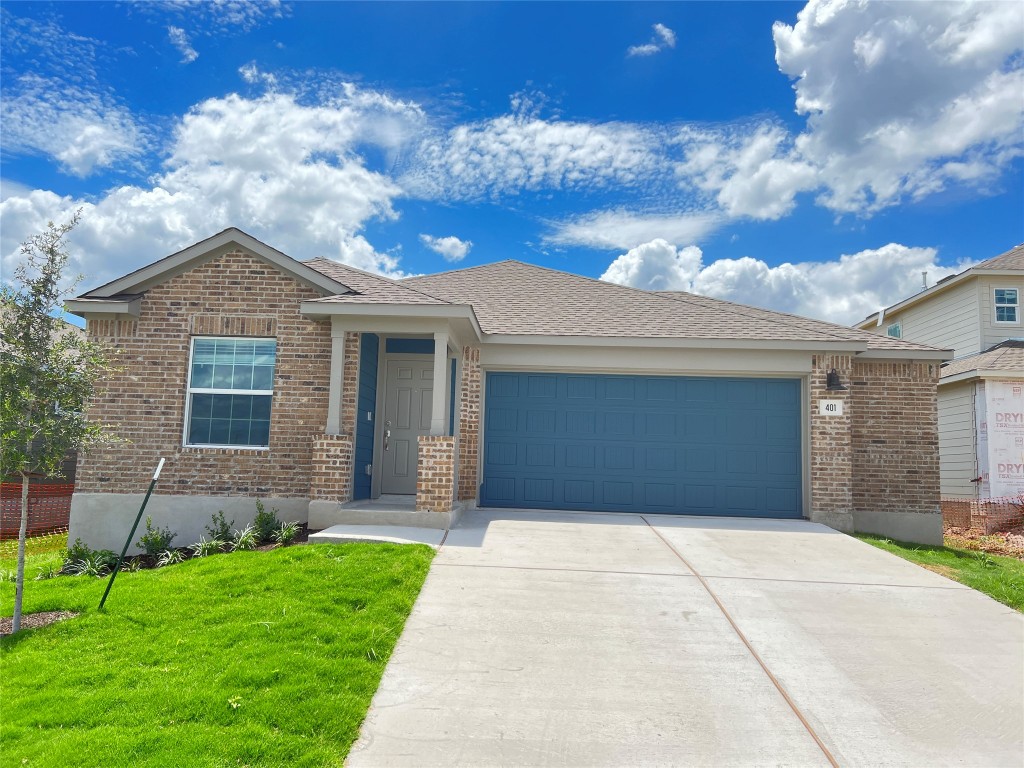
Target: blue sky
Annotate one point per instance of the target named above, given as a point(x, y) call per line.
point(810, 158)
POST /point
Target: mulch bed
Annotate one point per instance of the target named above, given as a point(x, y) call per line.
point(34, 620)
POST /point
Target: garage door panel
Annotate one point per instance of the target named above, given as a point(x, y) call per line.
point(580, 423)
point(620, 389)
point(580, 456)
point(501, 454)
point(539, 489)
point(620, 424)
point(661, 459)
point(781, 428)
point(581, 388)
point(659, 390)
point(644, 444)
point(577, 492)
point(541, 387)
point(781, 500)
point(617, 493)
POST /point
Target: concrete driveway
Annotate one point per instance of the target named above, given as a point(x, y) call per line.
point(620, 640)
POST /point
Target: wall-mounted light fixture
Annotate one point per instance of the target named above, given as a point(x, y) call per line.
point(832, 383)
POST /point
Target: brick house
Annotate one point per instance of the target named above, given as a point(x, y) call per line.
point(321, 388)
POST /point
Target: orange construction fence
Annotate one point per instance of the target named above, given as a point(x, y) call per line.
point(49, 508)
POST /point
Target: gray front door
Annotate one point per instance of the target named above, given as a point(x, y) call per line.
point(408, 392)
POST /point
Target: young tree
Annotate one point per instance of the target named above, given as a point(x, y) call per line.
point(48, 372)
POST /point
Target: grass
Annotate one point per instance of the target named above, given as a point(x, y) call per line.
point(1001, 578)
point(250, 658)
point(41, 552)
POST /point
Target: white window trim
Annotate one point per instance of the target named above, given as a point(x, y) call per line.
point(189, 391)
point(995, 313)
point(897, 325)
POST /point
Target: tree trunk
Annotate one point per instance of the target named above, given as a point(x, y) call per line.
point(19, 583)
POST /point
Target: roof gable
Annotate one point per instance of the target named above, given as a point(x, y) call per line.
point(135, 283)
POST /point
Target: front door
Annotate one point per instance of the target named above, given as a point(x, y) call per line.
point(408, 394)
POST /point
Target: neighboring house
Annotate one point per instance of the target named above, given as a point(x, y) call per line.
point(313, 385)
point(977, 314)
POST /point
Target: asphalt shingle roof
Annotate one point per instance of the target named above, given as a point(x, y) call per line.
point(368, 288)
point(511, 297)
point(1006, 356)
point(1012, 259)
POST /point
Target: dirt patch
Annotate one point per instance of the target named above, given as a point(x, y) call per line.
point(34, 620)
point(942, 570)
point(1006, 543)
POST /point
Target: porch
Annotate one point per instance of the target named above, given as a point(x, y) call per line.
point(401, 437)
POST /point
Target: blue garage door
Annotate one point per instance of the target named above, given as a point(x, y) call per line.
point(681, 445)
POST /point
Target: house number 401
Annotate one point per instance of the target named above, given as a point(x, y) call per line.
point(830, 407)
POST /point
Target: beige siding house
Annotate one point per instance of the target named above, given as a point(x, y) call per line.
point(978, 314)
point(343, 397)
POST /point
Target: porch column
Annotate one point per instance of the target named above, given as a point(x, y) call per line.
point(438, 413)
point(337, 380)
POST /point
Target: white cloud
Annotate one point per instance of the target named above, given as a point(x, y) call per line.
point(81, 128)
point(284, 171)
point(656, 266)
point(746, 169)
point(253, 75)
point(843, 291)
point(179, 39)
point(451, 247)
point(521, 151)
point(217, 16)
point(622, 229)
point(57, 107)
point(663, 38)
point(668, 37)
point(901, 97)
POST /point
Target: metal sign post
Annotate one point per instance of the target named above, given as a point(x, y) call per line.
point(120, 560)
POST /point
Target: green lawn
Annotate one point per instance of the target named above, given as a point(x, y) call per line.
point(251, 658)
point(999, 577)
point(40, 552)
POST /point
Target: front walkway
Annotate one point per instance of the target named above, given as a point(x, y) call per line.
point(607, 639)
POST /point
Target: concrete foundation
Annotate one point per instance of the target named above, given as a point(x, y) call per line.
point(103, 520)
point(914, 527)
point(324, 514)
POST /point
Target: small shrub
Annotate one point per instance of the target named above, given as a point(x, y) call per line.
point(77, 551)
point(221, 528)
point(83, 561)
point(98, 563)
point(10, 576)
point(47, 571)
point(244, 539)
point(170, 557)
point(155, 540)
point(286, 533)
point(205, 547)
point(132, 566)
point(266, 523)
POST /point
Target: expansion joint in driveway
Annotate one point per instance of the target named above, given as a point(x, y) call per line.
point(743, 638)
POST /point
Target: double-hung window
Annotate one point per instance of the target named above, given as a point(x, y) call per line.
point(230, 388)
point(1007, 305)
